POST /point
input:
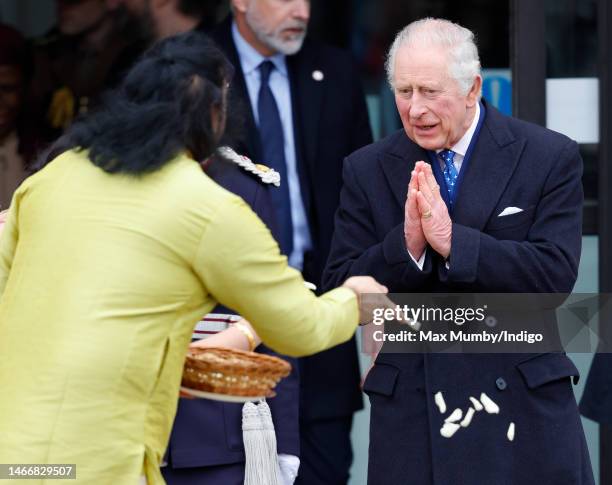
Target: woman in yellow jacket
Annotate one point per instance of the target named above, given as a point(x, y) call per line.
point(109, 256)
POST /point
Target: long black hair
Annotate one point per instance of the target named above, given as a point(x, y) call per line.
point(163, 106)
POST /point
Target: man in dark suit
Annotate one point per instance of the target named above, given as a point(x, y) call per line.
point(206, 445)
point(496, 207)
point(307, 115)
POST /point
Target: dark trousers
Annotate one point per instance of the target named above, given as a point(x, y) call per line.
point(232, 474)
point(326, 454)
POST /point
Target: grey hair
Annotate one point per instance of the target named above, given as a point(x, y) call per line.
point(464, 63)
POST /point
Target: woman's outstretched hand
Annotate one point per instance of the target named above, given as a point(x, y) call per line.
point(370, 295)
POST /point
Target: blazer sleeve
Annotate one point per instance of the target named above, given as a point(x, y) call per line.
point(547, 260)
point(241, 266)
point(358, 250)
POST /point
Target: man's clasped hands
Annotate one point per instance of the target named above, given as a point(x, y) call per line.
point(426, 218)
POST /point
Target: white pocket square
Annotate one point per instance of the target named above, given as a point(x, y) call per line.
point(509, 211)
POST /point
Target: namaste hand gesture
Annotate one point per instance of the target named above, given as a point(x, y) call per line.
point(426, 219)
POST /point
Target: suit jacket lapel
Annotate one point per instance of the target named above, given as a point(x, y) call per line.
point(398, 162)
point(239, 95)
point(307, 96)
point(493, 161)
point(306, 101)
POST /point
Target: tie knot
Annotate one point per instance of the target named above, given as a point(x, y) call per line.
point(265, 68)
point(447, 156)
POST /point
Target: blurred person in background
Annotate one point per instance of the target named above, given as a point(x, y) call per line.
point(91, 46)
point(596, 401)
point(18, 141)
point(169, 17)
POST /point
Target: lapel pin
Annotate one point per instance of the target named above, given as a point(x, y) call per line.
point(317, 75)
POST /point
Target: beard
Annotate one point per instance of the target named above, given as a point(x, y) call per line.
point(273, 39)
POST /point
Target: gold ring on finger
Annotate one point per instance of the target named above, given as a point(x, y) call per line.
point(426, 215)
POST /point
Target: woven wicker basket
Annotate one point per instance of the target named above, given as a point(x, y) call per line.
point(233, 372)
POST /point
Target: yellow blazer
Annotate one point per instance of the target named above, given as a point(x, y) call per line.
point(102, 278)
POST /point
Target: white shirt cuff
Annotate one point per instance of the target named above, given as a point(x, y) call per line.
point(421, 261)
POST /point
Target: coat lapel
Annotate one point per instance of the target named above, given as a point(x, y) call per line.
point(239, 100)
point(398, 162)
point(306, 100)
point(493, 162)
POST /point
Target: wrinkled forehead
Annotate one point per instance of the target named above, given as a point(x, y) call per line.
point(421, 61)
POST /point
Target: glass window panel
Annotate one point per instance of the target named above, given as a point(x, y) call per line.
point(572, 52)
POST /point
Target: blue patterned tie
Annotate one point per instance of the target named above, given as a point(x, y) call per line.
point(273, 145)
point(450, 173)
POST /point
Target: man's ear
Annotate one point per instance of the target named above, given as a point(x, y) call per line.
point(472, 96)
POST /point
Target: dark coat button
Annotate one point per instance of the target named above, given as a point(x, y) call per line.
point(501, 383)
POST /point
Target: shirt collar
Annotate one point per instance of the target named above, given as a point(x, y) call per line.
point(250, 59)
point(461, 147)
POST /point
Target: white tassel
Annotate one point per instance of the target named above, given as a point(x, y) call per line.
point(259, 445)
